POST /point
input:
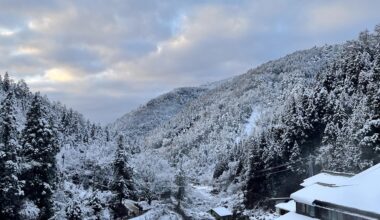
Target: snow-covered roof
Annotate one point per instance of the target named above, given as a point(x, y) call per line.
point(221, 211)
point(325, 178)
point(311, 193)
point(288, 206)
point(131, 205)
point(360, 192)
point(294, 216)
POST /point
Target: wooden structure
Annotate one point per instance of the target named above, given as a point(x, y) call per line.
point(285, 207)
point(134, 209)
point(221, 213)
point(335, 196)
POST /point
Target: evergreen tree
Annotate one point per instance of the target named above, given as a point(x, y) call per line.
point(180, 181)
point(22, 89)
point(10, 186)
point(369, 134)
point(93, 131)
point(22, 92)
point(64, 122)
point(295, 158)
point(107, 133)
point(297, 125)
point(74, 212)
point(122, 185)
point(255, 189)
point(6, 82)
point(39, 149)
point(96, 206)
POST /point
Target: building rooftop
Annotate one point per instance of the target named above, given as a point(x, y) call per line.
point(360, 192)
point(327, 178)
point(221, 211)
point(131, 205)
point(294, 216)
point(288, 206)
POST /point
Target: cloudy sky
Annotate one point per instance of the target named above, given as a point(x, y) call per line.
point(104, 58)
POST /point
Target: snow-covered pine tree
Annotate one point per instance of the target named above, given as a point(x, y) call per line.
point(122, 185)
point(296, 125)
point(295, 157)
point(180, 181)
point(6, 82)
point(107, 134)
point(10, 186)
point(123, 173)
point(93, 131)
point(22, 93)
point(96, 206)
point(74, 212)
point(39, 147)
point(370, 133)
point(254, 188)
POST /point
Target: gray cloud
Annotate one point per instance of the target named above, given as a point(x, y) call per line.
point(105, 58)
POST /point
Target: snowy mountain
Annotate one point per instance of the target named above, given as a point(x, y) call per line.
point(207, 137)
point(137, 124)
point(233, 143)
point(250, 136)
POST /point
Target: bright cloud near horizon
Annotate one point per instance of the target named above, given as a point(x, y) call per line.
point(105, 58)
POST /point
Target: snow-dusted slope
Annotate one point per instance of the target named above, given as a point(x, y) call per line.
point(81, 142)
point(223, 136)
point(282, 114)
point(137, 124)
point(208, 128)
point(203, 135)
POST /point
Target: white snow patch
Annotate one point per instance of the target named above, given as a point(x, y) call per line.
point(326, 178)
point(160, 212)
point(294, 216)
point(288, 206)
point(252, 121)
point(29, 210)
point(221, 211)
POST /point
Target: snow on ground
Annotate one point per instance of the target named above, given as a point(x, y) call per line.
point(294, 216)
point(71, 193)
point(200, 199)
point(29, 210)
point(158, 211)
point(259, 214)
point(159, 214)
point(251, 124)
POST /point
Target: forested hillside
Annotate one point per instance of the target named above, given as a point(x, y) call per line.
point(259, 134)
point(208, 138)
point(331, 125)
point(35, 137)
point(233, 143)
point(138, 123)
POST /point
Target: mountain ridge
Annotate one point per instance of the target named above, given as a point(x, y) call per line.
point(231, 143)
